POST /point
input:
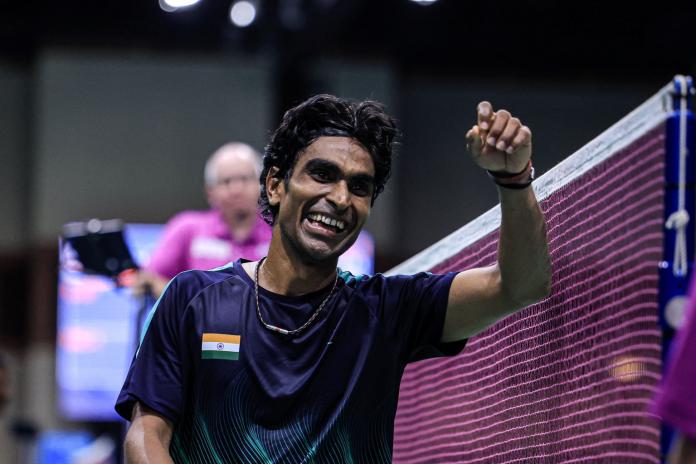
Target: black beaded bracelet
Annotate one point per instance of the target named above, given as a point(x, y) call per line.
point(510, 181)
point(521, 186)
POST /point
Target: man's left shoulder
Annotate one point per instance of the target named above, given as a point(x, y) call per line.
point(367, 285)
point(356, 280)
point(380, 283)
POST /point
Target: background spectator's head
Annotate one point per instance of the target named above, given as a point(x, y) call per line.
point(232, 180)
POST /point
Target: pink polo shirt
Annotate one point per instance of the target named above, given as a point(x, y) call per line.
point(202, 240)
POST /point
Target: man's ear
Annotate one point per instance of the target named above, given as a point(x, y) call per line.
point(275, 186)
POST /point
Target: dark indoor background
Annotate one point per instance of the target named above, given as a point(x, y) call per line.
point(109, 109)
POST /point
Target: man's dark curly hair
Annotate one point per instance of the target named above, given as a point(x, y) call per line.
point(327, 115)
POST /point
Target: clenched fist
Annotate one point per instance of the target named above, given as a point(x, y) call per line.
point(499, 142)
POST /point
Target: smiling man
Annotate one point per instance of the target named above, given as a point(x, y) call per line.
point(289, 359)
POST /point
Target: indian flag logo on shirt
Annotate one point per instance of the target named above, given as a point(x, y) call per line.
point(220, 346)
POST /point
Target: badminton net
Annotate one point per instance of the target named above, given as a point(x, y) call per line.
point(569, 379)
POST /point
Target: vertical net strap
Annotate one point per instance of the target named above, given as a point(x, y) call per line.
point(679, 220)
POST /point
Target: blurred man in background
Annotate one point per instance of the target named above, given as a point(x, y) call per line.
point(231, 229)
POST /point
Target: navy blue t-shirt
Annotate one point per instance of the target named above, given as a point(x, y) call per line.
point(238, 392)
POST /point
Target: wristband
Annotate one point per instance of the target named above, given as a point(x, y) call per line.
point(517, 181)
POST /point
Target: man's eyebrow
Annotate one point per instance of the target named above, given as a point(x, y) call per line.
point(321, 163)
point(329, 165)
point(363, 178)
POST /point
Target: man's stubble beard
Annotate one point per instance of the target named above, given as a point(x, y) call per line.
point(308, 255)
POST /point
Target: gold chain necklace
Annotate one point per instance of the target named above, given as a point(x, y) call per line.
point(279, 329)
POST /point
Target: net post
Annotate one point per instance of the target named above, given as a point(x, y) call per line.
point(680, 185)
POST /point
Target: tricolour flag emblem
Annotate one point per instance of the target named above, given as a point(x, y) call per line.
point(220, 346)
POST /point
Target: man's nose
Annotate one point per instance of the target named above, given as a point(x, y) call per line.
point(234, 186)
point(340, 195)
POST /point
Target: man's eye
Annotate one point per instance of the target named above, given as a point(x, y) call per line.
point(360, 189)
point(321, 175)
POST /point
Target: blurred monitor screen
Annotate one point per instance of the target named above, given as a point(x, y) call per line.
point(96, 331)
point(98, 325)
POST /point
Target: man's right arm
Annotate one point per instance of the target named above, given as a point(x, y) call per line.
point(148, 437)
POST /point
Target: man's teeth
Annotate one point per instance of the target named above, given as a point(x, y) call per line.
point(340, 225)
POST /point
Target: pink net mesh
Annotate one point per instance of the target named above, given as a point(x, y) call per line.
point(569, 379)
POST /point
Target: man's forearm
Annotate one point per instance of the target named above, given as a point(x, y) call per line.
point(523, 259)
point(148, 437)
point(146, 449)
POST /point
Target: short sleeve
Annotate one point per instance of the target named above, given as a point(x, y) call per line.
point(155, 375)
point(171, 254)
point(413, 309)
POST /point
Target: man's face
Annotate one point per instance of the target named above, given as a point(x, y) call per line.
point(236, 190)
point(328, 198)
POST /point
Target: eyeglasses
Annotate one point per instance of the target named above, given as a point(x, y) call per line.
point(231, 180)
